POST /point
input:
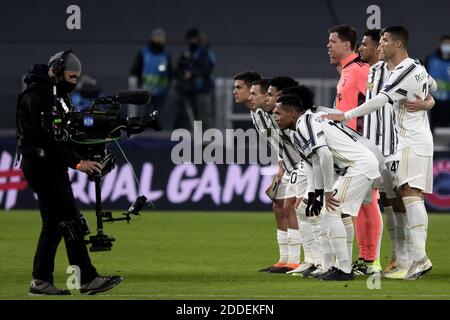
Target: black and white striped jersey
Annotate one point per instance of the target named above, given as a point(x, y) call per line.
point(287, 150)
point(349, 154)
point(259, 121)
point(379, 126)
point(279, 140)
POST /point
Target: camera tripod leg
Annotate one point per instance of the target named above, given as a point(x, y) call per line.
point(100, 241)
point(98, 203)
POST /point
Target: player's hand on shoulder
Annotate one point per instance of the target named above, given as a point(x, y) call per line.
point(334, 117)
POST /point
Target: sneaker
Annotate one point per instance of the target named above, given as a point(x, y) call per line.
point(318, 272)
point(276, 265)
point(374, 267)
point(367, 268)
point(337, 275)
point(419, 268)
point(357, 263)
point(293, 266)
point(280, 269)
point(360, 269)
point(100, 284)
point(391, 265)
point(44, 288)
point(396, 273)
point(329, 271)
point(307, 272)
point(301, 268)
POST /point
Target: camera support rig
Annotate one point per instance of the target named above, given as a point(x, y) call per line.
point(101, 241)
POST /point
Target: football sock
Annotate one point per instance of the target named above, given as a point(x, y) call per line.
point(282, 238)
point(327, 250)
point(391, 223)
point(350, 232)
point(359, 232)
point(338, 240)
point(305, 231)
point(294, 243)
point(417, 221)
point(373, 229)
point(401, 239)
point(316, 224)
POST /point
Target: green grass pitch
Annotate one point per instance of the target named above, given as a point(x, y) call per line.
point(210, 255)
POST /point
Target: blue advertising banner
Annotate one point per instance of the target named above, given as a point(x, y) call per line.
point(209, 187)
point(440, 199)
point(169, 186)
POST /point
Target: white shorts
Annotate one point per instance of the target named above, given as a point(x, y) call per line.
point(301, 184)
point(291, 184)
point(351, 192)
point(388, 179)
point(415, 170)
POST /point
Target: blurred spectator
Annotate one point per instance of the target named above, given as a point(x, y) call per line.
point(85, 92)
point(195, 85)
point(438, 66)
point(152, 71)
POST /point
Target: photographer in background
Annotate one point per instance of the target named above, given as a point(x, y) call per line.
point(45, 164)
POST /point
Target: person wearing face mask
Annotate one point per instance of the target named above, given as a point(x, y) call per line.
point(152, 71)
point(45, 163)
point(195, 84)
point(438, 66)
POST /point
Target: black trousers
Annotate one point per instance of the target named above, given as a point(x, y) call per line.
point(57, 204)
point(440, 114)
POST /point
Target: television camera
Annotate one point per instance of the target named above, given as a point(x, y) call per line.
point(88, 133)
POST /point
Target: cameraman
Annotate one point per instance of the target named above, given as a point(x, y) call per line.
point(44, 164)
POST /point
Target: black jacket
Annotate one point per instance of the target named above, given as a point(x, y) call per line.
point(38, 148)
point(200, 63)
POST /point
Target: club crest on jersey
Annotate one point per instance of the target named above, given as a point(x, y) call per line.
point(440, 199)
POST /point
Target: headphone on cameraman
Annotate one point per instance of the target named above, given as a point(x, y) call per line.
point(59, 64)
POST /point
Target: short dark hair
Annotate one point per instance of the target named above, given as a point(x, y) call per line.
point(304, 93)
point(193, 33)
point(263, 83)
point(291, 100)
point(346, 32)
point(375, 34)
point(399, 33)
point(248, 77)
point(445, 37)
point(282, 82)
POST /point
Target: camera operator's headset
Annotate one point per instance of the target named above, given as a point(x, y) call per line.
point(58, 65)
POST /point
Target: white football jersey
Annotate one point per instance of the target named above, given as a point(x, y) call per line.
point(379, 126)
point(349, 155)
point(408, 79)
